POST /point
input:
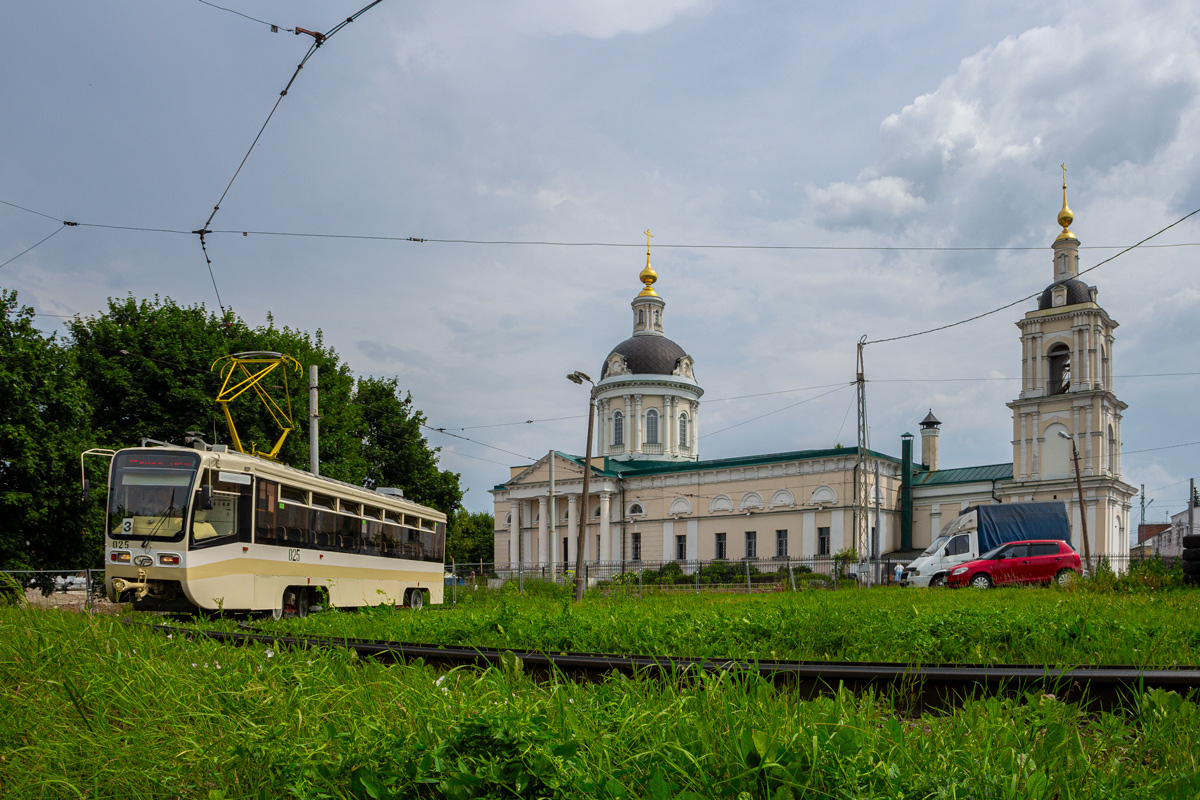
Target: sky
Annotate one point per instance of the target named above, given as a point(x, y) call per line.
point(745, 136)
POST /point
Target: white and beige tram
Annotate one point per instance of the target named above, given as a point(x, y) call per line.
point(217, 530)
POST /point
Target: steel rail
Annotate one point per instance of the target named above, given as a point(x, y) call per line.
point(934, 684)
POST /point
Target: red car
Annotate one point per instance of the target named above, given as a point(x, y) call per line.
point(1033, 561)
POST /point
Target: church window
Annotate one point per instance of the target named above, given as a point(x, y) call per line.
point(781, 538)
point(680, 547)
point(657, 318)
point(1059, 358)
point(719, 546)
point(636, 510)
point(641, 317)
point(652, 426)
point(683, 431)
point(618, 426)
point(635, 546)
point(822, 541)
point(751, 544)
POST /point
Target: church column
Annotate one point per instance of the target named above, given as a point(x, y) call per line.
point(542, 553)
point(639, 427)
point(1022, 449)
point(514, 528)
point(629, 423)
point(1039, 381)
point(606, 527)
point(694, 434)
point(572, 530)
point(601, 425)
point(1090, 467)
point(670, 403)
point(1036, 466)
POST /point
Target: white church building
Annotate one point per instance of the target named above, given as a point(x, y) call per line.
point(652, 499)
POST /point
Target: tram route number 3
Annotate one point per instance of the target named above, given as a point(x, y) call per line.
point(293, 554)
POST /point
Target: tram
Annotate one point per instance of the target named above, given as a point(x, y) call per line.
point(211, 529)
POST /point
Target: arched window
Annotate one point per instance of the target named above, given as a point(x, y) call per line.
point(657, 318)
point(652, 426)
point(618, 427)
point(636, 510)
point(1104, 376)
point(641, 319)
point(681, 506)
point(751, 500)
point(1059, 357)
point(683, 431)
point(720, 503)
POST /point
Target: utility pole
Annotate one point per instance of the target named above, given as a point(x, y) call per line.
point(581, 543)
point(1142, 526)
point(1087, 548)
point(314, 458)
point(862, 500)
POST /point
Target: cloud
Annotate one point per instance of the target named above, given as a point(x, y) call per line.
point(1089, 90)
point(877, 204)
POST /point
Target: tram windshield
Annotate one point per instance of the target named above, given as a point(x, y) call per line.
point(149, 494)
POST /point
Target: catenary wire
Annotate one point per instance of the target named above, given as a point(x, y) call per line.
point(273, 26)
point(778, 410)
point(1035, 294)
point(318, 40)
point(27, 249)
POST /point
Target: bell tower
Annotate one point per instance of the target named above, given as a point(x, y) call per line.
point(1067, 404)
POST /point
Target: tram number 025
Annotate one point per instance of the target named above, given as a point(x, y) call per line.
point(293, 554)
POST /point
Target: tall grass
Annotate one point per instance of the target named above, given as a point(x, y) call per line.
point(1037, 626)
point(93, 708)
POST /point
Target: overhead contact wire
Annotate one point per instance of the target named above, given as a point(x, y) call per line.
point(318, 40)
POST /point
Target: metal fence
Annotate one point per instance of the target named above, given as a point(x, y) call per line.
point(744, 575)
point(79, 589)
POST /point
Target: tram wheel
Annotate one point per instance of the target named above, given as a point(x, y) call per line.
point(416, 599)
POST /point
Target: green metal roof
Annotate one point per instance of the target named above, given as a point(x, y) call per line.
point(630, 469)
point(987, 472)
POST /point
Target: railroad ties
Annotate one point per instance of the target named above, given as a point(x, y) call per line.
point(923, 686)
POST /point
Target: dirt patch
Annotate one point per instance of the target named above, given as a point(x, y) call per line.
point(71, 600)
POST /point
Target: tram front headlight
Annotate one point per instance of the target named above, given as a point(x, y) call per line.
point(168, 560)
point(119, 557)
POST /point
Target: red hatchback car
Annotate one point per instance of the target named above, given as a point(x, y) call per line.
point(1033, 561)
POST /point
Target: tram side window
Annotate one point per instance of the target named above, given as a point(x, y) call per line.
point(412, 544)
point(438, 551)
point(391, 540)
point(296, 522)
point(372, 535)
point(348, 527)
point(325, 529)
point(266, 530)
point(230, 517)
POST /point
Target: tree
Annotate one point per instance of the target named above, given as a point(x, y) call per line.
point(470, 536)
point(395, 450)
point(44, 426)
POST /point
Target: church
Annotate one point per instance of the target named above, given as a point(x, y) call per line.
point(652, 499)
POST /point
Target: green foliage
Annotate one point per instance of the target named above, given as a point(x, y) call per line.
point(142, 369)
point(257, 721)
point(395, 450)
point(470, 537)
point(842, 560)
point(44, 426)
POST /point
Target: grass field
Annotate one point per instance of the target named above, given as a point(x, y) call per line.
point(1038, 626)
point(94, 708)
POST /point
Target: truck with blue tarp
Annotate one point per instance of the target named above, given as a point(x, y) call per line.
point(979, 529)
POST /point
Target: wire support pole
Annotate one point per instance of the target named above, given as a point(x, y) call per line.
point(861, 491)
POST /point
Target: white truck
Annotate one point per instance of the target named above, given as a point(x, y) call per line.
point(979, 529)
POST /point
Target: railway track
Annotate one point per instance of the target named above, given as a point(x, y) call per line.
point(925, 684)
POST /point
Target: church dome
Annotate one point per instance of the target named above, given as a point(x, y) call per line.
point(1077, 292)
point(646, 355)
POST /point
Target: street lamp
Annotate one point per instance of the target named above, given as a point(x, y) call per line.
point(1087, 550)
point(578, 377)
